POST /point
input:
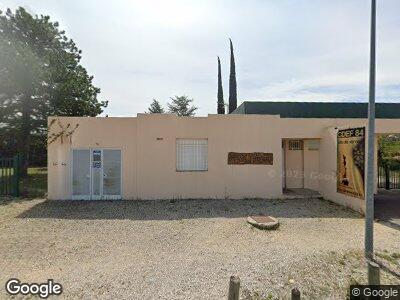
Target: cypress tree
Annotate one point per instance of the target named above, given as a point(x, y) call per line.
point(220, 95)
point(232, 83)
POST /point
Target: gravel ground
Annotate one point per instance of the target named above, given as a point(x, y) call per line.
point(188, 249)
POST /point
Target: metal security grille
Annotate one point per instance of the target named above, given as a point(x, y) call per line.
point(191, 155)
point(295, 145)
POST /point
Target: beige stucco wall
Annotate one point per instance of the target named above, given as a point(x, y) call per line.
point(92, 133)
point(149, 159)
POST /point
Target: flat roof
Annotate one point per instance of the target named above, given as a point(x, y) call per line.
point(344, 110)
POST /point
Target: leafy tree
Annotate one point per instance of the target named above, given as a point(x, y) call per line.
point(155, 108)
point(180, 106)
point(389, 151)
point(220, 95)
point(389, 155)
point(40, 75)
point(232, 83)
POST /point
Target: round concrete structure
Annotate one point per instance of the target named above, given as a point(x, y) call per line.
point(263, 222)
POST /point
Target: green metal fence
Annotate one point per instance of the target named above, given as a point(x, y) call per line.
point(388, 179)
point(9, 176)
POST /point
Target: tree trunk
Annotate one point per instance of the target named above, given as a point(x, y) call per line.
point(25, 133)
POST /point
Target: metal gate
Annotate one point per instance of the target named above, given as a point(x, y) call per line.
point(388, 179)
point(9, 176)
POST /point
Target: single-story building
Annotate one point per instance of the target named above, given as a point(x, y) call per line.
point(259, 151)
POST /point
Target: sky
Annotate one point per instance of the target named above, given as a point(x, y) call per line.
point(286, 50)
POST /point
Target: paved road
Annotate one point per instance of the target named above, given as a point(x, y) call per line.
point(387, 206)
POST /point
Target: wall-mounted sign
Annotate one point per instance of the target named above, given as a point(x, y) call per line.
point(96, 155)
point(351, 162)
point(254, 158)
point(97, 164)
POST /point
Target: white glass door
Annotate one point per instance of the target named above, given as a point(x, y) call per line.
point(81, 174)
point(96, 174)
point(111, 174)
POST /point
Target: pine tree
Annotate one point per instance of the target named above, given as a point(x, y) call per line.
point(180, 106)
point(40, 75)
point(155, 108)
point(220, 95)
point(232, 83)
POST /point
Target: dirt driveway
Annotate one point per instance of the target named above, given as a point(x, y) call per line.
point(187, 249)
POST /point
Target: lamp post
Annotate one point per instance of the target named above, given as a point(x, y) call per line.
point(369, 206)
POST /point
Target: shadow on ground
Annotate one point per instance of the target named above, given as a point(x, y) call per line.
point(7, 200)
point(386, 267)
point(187, 209)
point(387, 208)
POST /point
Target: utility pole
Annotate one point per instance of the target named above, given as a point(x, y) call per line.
point(369, 205)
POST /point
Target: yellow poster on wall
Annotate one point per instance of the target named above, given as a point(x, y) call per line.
point(351, 162)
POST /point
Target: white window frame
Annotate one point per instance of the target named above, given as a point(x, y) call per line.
point(202, 163)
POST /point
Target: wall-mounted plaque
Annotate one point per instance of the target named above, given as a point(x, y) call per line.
point(254, 158)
